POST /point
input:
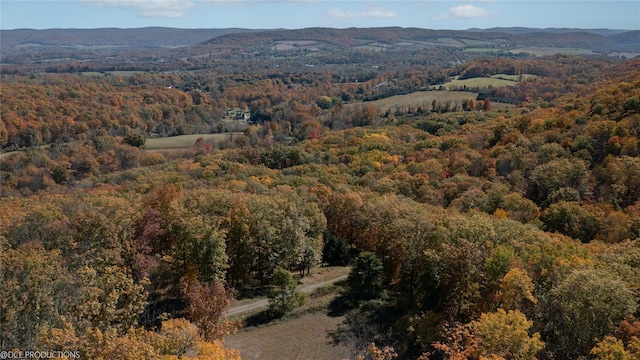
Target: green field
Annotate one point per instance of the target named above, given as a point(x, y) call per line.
point(546, 51)
point(497, 80)
point(451, 41)
point(182, 141)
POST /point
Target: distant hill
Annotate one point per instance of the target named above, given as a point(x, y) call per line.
point(525, 30)
point(140, 37)
point(109, 46)
point(630, 38)
point(565, 38)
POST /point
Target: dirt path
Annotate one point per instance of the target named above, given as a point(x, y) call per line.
point(309, 284)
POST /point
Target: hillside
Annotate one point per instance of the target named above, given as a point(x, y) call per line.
point(79, 38)
point(133, 49)
point(352, 37)
point(525, 30)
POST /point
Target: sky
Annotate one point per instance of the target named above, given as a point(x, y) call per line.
point(295, 14)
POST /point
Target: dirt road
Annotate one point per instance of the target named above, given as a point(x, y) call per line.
point(309, 284)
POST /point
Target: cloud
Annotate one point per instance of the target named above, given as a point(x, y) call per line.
point(371, 12)
point(152, 8)
point(466, 12)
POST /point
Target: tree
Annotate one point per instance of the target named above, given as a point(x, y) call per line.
point(283, 293)
point(505, 334)
point(207, 305)
point(335, 250)
point(611, 348)
point(135, 139)
point(572, 219)
point(365, 278)
point(324, 102)
point(32, 286)
point(517, 290)
point(547, 178)
point(486, 105)
point(585, 307)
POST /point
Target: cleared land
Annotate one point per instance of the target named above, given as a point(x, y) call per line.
point(545, 51)
point(497, 80)
point(482, 82)
point(183, 141)
point(421, 98)
point(425, 98)
point(306, 337)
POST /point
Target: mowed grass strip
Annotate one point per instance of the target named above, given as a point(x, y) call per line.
point(183, 141)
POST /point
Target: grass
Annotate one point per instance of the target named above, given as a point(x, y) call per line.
point(425, 99)
point(497, 80)
point(303, 334)
point(482, 82)
point(182, 141)
point(305, 337)
point(451, 41)
point(545, 51)
point(420, 98)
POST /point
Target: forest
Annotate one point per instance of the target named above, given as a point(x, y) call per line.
point(505, 226)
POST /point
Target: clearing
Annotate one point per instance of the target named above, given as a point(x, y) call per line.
point(546, 51)
point(183, 141)
point(425, 98)
point(498, 80)
point(306, 335)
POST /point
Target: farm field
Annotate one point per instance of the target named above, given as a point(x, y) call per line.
point(422, 97)
point(546, 51)
point(482, 82)
point(425, 98)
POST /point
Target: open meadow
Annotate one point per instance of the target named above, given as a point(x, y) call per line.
point(425, 98)
point(305, 337)
point(547, 51)
point(183, 141)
